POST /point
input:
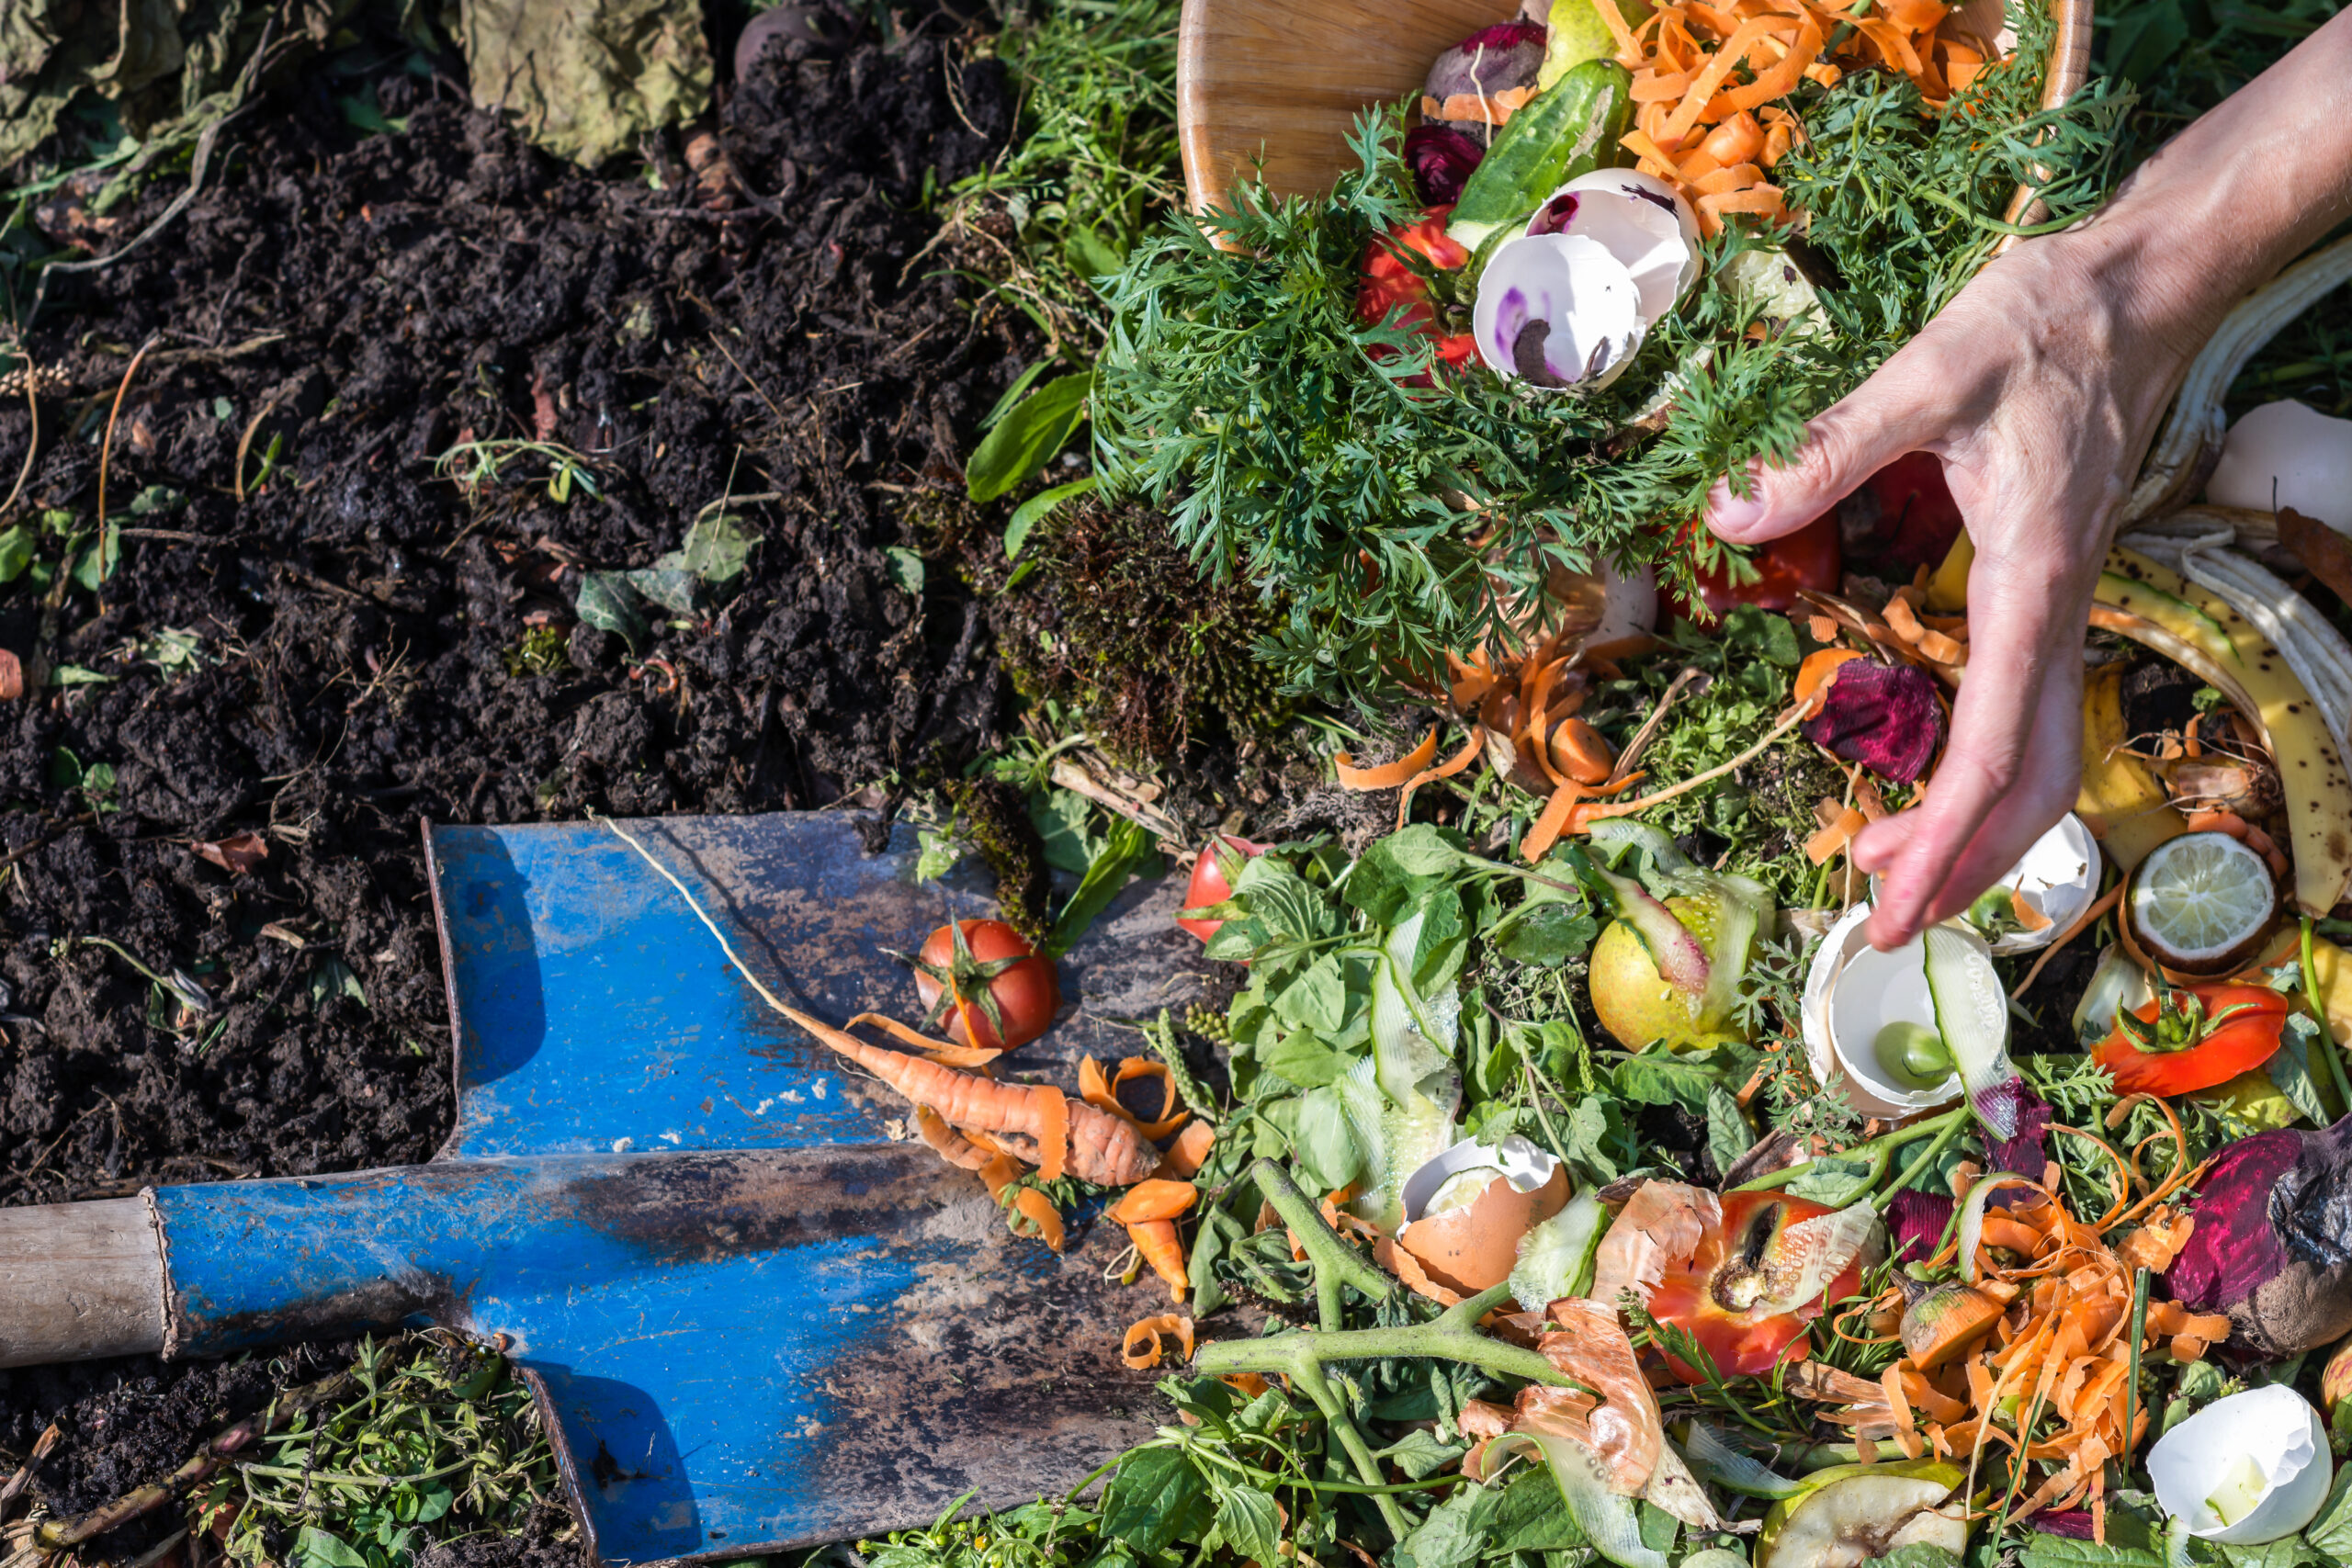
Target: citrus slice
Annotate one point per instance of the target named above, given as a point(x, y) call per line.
point(2201, 903)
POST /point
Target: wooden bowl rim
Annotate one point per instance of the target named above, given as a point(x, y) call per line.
point(2069, 68)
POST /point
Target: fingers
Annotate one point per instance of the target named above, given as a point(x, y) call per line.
point(1872, 426)
point(2012, 766)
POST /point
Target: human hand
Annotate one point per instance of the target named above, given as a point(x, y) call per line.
point(2040, 386)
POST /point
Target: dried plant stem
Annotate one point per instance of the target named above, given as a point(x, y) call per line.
point(695, 905)
point(106, 448)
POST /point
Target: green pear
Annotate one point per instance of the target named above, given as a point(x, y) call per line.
point(1575, 33)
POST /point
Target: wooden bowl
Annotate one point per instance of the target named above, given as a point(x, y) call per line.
point(1286, 78)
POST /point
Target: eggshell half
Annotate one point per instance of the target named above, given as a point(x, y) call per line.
point(1851, 992)
point(1564, 304)
point(1475, 1247)
point(2059, 877)
point(2284, 1436)
point(2286, 454)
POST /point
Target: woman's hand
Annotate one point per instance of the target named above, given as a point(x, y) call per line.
point(2040, 386)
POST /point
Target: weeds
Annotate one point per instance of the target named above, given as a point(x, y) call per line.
point(474, 464)
point(1095, 160)
point(439, 1442)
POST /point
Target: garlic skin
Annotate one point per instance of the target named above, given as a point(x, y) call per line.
point(1851, 992)
point(2059, 877)
point(2280, 1431)
point(2292, 451)
point(1566, 303)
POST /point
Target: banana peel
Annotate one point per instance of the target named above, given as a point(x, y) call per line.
point(2159, 609)
point(2120, 792)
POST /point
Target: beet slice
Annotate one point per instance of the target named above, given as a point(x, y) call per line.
point(1884, 717)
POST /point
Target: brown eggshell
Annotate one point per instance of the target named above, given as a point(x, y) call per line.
point(1476, 1246)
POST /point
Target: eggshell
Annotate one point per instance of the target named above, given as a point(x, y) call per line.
point(2059, 877)
point(2286, 454)
point(1473, 1247)
point(1851, 992)
point(1582, 297)
point(2285, 1436)
point(1641, 221)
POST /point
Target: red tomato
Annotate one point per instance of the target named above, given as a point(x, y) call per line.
point(1389, 282)
point(1811, 558)
point(1210, 884)
point(2237, 1044)
point(985, 980)
point(1744, 1260)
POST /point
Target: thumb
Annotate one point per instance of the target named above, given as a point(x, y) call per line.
point(1863, 432)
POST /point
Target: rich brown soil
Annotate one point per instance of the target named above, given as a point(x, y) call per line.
point(378, 643)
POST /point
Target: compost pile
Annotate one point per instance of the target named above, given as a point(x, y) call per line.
point(1602, 1194)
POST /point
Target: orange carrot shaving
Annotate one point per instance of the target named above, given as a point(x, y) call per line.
point(999, 1174)
point(1140, 1349)
point(1388, 775)
point(1835, 836)
point(1154, 1200)
point(1188, 1153)
point(1445, 770)
point(929, 1050)
point(1039, 1210)
point(1546, 830)
point(1164, 1250)
point(1053, 1133)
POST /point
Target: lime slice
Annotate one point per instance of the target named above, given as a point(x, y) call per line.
point(2201, 902)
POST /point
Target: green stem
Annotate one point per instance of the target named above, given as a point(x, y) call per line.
point(1881, 1151)
point(2132, 1383)
point(2327, 1046)
point(1451, 1336)
point(1918, 1167)
point(1310, 1376)
point(1336, 1262)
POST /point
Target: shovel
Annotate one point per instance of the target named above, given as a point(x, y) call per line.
point(753, 1316)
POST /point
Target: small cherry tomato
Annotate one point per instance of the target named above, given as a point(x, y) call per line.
point(2194, 1037)
point(987, 984)
point(1738, 1295)
point(1212, 875)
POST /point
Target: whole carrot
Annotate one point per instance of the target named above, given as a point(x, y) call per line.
point(1102, 1149)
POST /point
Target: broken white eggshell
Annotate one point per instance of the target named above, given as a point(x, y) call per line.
point(1466, 1209)
point(2286, 454)
point(1640, 220)
point(1851, 993)
point(2276, 1431)
point(1556, 310)
point(2058, 877)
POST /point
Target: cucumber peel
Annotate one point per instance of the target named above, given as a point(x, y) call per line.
point(1972, 1018)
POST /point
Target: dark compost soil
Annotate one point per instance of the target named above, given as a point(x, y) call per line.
point(378, 645)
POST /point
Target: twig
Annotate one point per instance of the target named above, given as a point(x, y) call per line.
point(106, 448)
point(1627, 807)
point(56, 1535)
point(1650, 725)
point(16, 1482)
point(721, 344)
point(32, 449)
point(245, 442)
point(13, 856)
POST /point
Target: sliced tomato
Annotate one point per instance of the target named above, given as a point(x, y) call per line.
point(1389, 281)
point(2242, 1041)
point(1733, 1294)
point(1212, 883)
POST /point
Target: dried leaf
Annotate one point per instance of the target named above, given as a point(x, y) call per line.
point(237, 853)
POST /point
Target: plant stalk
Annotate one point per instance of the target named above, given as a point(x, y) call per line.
point(1452, 1336)
point(1879, 1149)
point(1336, 1263)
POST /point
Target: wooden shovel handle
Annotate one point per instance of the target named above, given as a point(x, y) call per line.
point(80, 1280)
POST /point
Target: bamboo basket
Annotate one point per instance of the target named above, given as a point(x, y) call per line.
point(1286, 78)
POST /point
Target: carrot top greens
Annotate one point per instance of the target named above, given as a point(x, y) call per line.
point(1392, 522)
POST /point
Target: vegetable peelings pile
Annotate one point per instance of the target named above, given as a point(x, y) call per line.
point(1566, 1180)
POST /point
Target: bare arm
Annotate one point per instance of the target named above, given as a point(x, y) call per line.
point(2040, 386)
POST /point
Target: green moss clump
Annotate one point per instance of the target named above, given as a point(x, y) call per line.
point(997, 816)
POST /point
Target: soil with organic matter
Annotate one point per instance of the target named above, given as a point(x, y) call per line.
point(365, 417)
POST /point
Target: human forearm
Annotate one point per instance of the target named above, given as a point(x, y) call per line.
point(2242, 191)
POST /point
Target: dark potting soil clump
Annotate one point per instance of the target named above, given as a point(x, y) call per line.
point(370, 638)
